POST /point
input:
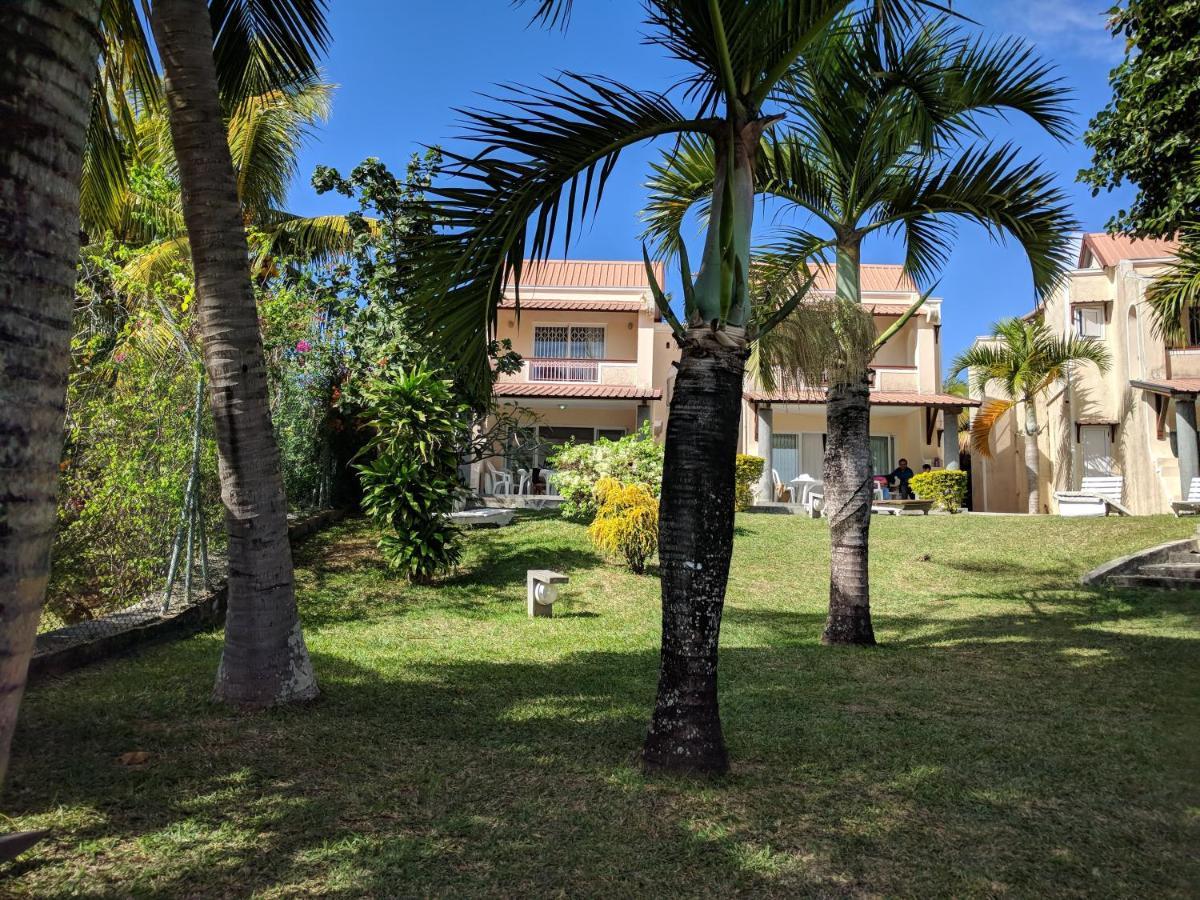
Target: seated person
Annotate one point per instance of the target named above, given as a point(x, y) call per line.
point(902, 474)
point(926, 467)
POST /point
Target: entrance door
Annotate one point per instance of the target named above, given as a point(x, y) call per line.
point(1096, 442)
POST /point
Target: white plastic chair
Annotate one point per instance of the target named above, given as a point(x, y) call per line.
point(523, 476)
point(500, 481)
point(814, 500)
point(780, 488)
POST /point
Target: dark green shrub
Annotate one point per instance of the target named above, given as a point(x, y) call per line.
point(747, 471)
point(946, 487)
point(411, 480)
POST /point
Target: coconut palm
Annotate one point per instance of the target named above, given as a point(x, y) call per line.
point(265, 133)
point(265, 660)
point(1023, 360)
point(888, 136)
point(545, 154)
point(49, 52)
point(55, 105)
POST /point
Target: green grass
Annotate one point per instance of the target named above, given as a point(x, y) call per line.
point(1013, 734)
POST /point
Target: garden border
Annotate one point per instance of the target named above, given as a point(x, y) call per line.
point(207, 612)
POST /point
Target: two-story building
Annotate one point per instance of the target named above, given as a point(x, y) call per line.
point(599, 363)
point(1136, 420)
point(911, 418)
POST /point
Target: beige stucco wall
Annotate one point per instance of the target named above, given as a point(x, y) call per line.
point(1145, 461)
point(620, 329)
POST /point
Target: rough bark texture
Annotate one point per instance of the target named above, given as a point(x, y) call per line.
point(848, 506)
point(47, 66)
point(695, 546)
point(1032, 458)
point(265, 661)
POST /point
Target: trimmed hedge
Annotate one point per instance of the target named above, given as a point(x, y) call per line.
point(747, 470)
point(946, 487)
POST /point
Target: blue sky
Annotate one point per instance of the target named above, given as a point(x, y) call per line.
point(402, 68)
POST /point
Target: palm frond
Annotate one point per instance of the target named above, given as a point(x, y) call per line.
point(1171, 295)
point(550, 153)
point(984, 423)
point(259, 45)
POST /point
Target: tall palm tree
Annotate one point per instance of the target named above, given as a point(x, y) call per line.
point(547, 152)
point(888, 136)
point(49, 52)
point(265, 660)
point(1022, 361)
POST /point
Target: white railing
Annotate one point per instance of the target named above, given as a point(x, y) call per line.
point(581, 371)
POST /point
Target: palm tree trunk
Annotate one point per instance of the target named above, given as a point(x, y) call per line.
point(848, 505)
point(1032, 457)
point(697, 506)
point(265, 660)
point(48, 53)
point(848, 486)
point(695, 547)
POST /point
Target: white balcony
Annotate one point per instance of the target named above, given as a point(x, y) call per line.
point(579, 371)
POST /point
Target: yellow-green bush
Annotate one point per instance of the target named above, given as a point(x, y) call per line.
point(747, 470)
point(626, 522)
point(946, 487)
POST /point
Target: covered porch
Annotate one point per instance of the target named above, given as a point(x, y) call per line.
point(564, 413)
point(787, 429)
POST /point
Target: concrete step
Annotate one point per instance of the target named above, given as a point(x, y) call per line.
point(1184, 556)
point(1155, 582)
point(1172, 570)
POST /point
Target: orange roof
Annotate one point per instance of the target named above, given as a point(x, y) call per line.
point(588, 273)
point(1109, 249)
point(878, 398)
point(872, 277)
point(576, 305)
point(584, 391)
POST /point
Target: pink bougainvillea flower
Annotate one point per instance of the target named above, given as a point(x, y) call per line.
point(119, 357)
point(303, 346)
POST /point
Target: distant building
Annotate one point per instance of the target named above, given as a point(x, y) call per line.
point(1129, 421)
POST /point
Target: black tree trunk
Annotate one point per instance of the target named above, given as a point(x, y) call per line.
point(695, 545)
point(848, 506)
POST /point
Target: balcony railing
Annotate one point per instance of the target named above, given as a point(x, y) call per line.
point(580, 371)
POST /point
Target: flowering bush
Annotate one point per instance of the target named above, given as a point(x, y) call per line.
point(634, 459)
point(626, 522)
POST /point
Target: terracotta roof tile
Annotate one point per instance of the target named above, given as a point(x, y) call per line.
point(586, 391)
point(878, 398)
point(581, 305)
point(1110, 249)
point(588, 273)
point(884, 277)
point(1168, 385)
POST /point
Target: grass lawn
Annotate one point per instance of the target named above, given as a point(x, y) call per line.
point(1014, 734)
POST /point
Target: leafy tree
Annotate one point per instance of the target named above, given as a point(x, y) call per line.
point(545, 156)
point(1149, 133)
point(1022, 361)
point(890, 137)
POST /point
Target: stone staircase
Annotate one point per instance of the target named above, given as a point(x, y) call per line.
point(1175, 570)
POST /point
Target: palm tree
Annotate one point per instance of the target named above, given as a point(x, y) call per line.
point(888, 136)
point(265, 132)
point(1171, 295)
point(41, 158)
point(265, 660)
point(549, 151)
point(1023, 359)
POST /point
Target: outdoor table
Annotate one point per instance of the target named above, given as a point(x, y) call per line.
point(801, 485)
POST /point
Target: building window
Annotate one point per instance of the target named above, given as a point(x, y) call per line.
point(1089, 321)
point(1193, 319)
point(568, 342)
point(883, 455)
point(610, 434)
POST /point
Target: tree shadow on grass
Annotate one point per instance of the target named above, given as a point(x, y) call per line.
point(956, 761)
